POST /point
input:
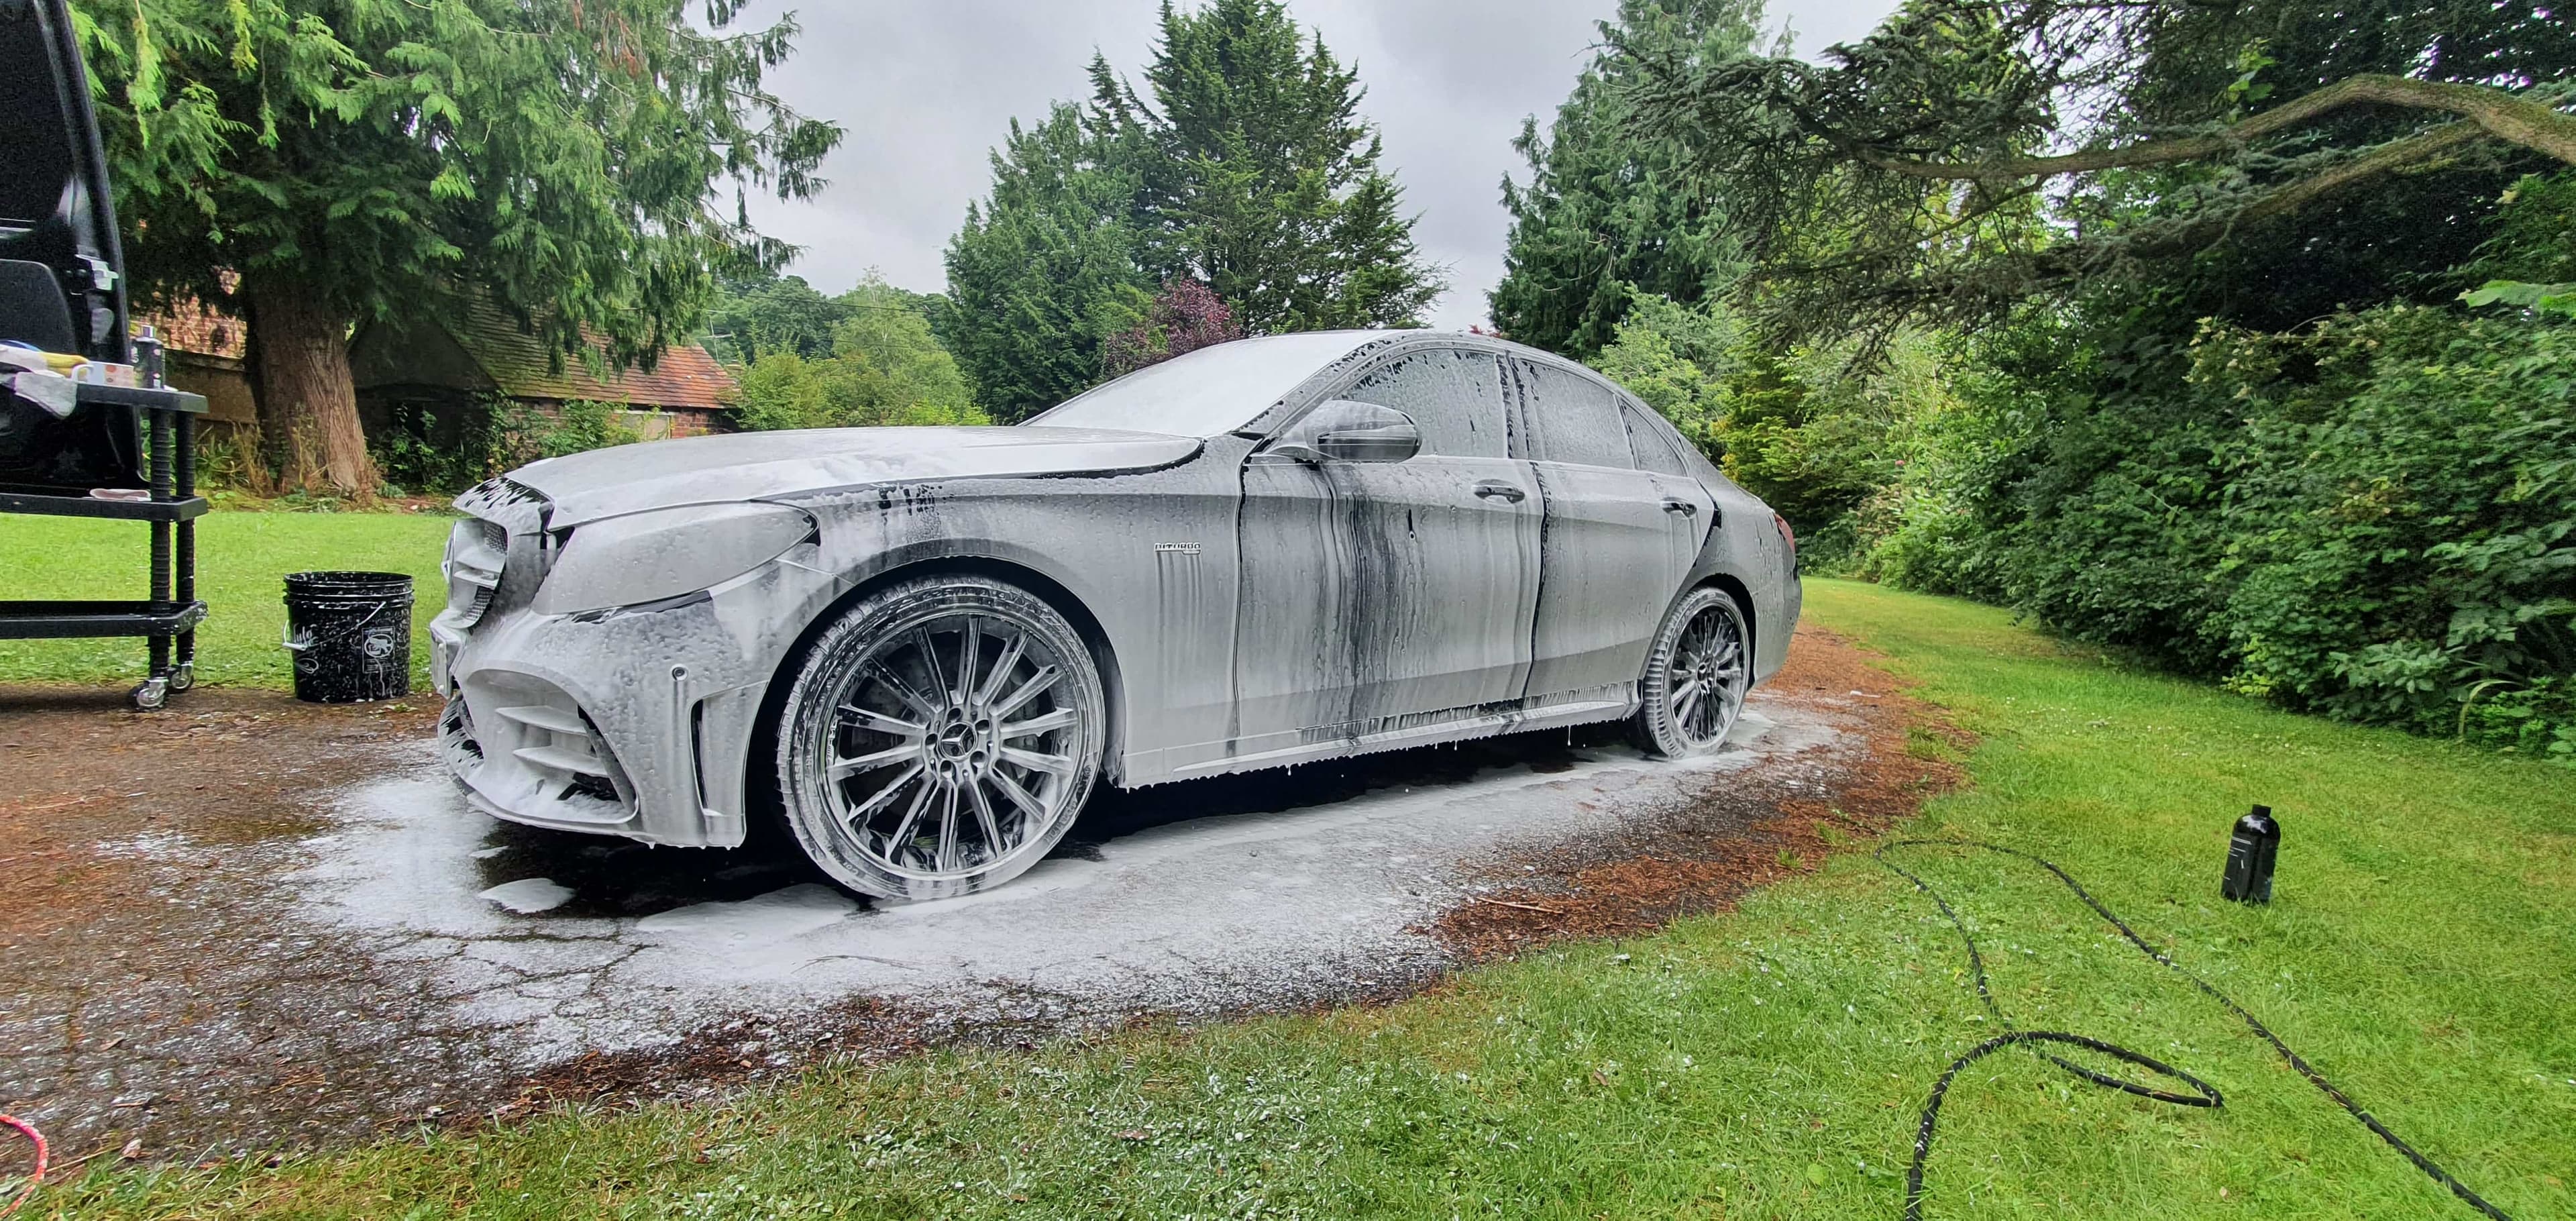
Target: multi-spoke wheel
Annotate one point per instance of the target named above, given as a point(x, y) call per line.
point(1696, 676)
point(940, 738)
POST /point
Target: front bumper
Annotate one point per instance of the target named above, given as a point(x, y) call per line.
point(634, 722)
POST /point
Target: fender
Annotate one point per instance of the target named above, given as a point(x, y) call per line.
point(1740, 546)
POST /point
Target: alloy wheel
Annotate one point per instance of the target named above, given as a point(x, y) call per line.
point(953, 743)
point(1709, 675)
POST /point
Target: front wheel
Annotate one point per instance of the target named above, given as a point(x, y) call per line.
point(940, 738)
point(1697, 672)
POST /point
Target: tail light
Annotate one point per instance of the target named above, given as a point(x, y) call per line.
point(1787, 535)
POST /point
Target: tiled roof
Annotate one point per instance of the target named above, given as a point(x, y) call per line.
point(686, 376)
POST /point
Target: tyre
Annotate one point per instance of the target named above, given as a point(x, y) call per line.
point(939, 738)
point(1697, 672)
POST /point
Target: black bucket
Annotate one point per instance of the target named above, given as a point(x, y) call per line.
point(350, 633)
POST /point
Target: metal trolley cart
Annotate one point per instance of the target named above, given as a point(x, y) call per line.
point(168, 618)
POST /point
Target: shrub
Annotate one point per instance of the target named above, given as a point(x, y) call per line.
point(886, 369)
point(420, 452)
point(1185, 317)
point(2403, 527)
point(1816, 433)
point(2373, 518)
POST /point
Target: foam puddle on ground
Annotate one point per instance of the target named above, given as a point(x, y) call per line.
point(780, 915)
point(1198, 915)
point(527, 896)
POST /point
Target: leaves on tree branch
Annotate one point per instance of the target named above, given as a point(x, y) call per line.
point(1972, 153)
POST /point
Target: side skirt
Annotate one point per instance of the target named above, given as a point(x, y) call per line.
point(1482, 725)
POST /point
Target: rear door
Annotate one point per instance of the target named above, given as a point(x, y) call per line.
point(1373, 592)
point(1612, 538)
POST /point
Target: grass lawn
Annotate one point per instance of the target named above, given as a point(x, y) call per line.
point(2421, 951)
point(242, 561)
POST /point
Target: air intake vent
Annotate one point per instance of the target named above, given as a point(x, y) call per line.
point(525, 747)
point(563, 746)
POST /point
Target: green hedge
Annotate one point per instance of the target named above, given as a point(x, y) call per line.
point(2373, 518)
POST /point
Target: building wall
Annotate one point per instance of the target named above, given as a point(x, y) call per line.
point(232, 415)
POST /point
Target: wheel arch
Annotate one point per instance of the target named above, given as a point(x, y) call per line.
point(1729, 583)
point(1734, 587)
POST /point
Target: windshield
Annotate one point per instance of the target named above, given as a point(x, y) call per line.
point(1210, 391)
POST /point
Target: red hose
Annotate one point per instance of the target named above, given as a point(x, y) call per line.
point(27, 1188)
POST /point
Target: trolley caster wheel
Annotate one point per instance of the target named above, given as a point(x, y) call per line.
point(151, 693)
point(183, 677)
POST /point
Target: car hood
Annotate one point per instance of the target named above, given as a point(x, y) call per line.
point(772, 465)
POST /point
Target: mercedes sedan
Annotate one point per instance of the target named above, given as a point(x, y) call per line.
point(921, 648)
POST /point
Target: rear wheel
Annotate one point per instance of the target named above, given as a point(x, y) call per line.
point(1697, 672)
point(940, 738)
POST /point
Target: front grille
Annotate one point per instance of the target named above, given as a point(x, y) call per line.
point(477, 551)
point(499, 554)
point(518, 508)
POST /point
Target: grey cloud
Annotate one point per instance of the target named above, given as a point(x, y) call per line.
point(926, 90)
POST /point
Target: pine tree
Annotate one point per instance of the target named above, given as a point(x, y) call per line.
point(1045, 268)
point(1249, 171)
point(1263, 181)
point(1608, 214)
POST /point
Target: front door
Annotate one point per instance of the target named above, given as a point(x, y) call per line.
point(1613, 550)
point(1377, 595)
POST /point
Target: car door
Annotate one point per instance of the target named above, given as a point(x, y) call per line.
point(1612, 537)
point(1690, 512)
point(1377, 595)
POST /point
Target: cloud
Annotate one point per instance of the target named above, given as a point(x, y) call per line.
point(926, 90)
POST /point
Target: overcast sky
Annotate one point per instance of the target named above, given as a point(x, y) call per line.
point(926, 88)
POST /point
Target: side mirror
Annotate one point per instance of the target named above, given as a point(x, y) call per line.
point(1346, 431)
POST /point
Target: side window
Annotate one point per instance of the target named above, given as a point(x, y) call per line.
point(1573, 418)
point(1454, 396)
point(1647, 441)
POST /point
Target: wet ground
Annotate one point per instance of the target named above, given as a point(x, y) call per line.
point(247, 923)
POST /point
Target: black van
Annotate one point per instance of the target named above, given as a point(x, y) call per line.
point(73, 415)
point(62, 281)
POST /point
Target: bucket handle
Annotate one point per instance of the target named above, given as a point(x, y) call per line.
point(294, 645)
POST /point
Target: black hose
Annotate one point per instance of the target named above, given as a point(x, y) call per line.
point(2203, 1095)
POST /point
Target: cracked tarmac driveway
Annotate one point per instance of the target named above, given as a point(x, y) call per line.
point(240, 966)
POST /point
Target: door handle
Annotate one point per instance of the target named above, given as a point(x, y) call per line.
point(1683, 507)
point(1491, 489)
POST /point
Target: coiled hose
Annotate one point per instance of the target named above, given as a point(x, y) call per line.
point(2202, 1093)
point(36, 1138)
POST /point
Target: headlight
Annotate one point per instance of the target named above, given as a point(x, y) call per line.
point(646, 557)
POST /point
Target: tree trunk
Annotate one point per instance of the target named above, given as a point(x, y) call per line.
point(308, 405)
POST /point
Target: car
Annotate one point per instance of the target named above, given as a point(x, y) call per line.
point(922, 648)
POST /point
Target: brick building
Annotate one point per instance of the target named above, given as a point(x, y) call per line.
point(453, 365)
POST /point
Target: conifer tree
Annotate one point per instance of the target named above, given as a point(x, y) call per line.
point(1045, 268)
point(350, 160)
point(1611, 212)
point(1242, 166)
